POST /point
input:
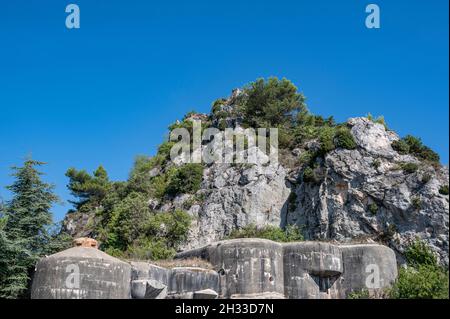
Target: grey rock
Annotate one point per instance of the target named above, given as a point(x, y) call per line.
point(153, 203)
point(205, 294)
point(340, 206)
point(148, 289)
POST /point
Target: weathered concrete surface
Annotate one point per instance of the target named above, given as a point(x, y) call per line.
point(258, 268)
point(146, 271)
point(311, 270)
point(264, 295)
point(206, 294)
point(363, 263)
point(181, 282)
point(187, 280)
point(81, 273)
point(243, 268)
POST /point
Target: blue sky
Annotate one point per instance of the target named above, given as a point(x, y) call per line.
point(106, 92)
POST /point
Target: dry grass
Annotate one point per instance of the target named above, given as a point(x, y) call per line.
point(191, 262)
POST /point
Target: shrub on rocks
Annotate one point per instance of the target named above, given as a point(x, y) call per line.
point(289, 234)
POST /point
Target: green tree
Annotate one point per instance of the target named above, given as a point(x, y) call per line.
point(88, 188)
point(272, 103)
point(186, 179)
point(127, 219)
point(423, 278)
point(28, 213)
point(14, 264)
point(344, 139)
point(24, 228)
point(413, 145)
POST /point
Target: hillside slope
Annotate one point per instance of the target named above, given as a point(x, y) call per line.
point(350, 182)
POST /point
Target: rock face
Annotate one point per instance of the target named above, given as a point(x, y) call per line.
point(361, 195)
point(365, 194)
point(243, 268)
point(237, 197)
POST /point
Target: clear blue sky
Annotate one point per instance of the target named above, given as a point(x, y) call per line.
point(107, 92)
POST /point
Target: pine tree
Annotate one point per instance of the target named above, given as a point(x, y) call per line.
point(24, 231)
point(13, 265)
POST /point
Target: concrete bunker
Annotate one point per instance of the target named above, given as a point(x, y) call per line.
point(242, 268)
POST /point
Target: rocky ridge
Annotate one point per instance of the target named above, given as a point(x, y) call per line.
point(361, 194)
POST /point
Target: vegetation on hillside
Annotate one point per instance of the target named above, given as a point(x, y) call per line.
point(423, 278)
point(123, 219)
point(414, 146)
point(289, 234)
point(120, 210)
point(26, 229)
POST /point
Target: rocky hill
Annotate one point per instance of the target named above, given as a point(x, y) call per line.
point(356, 181)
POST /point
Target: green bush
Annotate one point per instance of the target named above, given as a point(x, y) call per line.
point(344, 139)
point(135, 232)
point(373, 208)
point(307, 158)
point(304, 133)
point(380, 120)
point(172, 227)
point(418, 253)
point(413, 145)
point(150, 249)
point(427, 153)
point(361, 294)
point(416, 202)
point(309, 176)
point(159, 186)
point(217, 104)
point(140, 179)
point(186, 179)
point(409, 168)
point(376, 163)
point(423, 278)
point(126, 222)
point(401, 147)
point(443, 190)
point(326, 139)
point(289, 234)
point(164, 149)
point(426, 178)
point(423, 282)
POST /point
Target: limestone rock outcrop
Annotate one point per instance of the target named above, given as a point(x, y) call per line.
point(364, 194)
point(361, 195)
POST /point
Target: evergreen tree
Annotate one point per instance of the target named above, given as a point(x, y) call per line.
point(13, 265)
point(24, 228)
point(273, 103)
point(89, 189)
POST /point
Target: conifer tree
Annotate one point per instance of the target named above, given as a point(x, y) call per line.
point(24, 227)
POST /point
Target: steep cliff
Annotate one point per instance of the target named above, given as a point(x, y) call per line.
point(368, 192)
